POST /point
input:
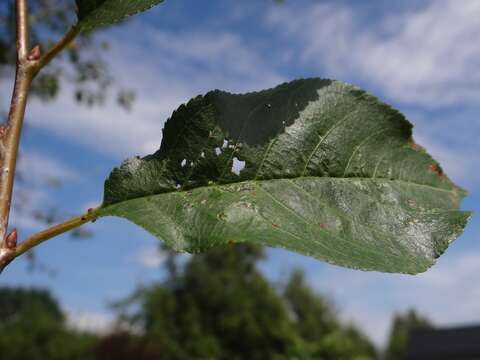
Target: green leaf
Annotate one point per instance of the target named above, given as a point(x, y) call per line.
point(329, 171)
point(95, 13)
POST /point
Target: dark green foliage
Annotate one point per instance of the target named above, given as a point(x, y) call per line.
point(95, 13)
point(18, 304)
point(315, 315)
point(32, 327)
point(348, 343)
point(323, 337)
point(329, 171)
point(221, 307)
point(46, 86)
point(402, 325)
point(215, 306)
point(126, 346)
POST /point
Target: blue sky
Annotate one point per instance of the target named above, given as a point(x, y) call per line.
point(420, 56)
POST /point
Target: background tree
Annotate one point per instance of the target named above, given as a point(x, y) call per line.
point(220, 306)
point(316, 322)
point(402, 325)
point(33, 327)
point(214, 305)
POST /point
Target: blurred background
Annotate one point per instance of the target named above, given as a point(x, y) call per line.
point(109, 290)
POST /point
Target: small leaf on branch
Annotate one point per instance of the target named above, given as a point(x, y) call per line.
point(315, 166)
point(96, 13)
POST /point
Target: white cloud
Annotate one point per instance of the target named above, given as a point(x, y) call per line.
point(91, 322)
point(36, 171)
point(429, 56)
point(25, 221)
point(151, 257)
point(37, 167)
point(165, 69)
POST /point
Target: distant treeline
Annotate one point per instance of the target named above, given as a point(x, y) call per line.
point(218, 305)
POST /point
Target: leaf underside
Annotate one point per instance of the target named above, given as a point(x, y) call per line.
point(314, 166)
point(94, 13)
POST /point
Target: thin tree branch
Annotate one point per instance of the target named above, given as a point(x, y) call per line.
point(55, 230)
point(38, 238)
point(22, 29)
point(60, 46)
point(10, 142)
point(10, 134)
point(29, 63)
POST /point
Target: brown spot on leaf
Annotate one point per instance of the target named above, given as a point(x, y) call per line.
point(434, 168)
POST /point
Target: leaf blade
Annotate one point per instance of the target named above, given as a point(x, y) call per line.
point(94, 13)
point(314, 132)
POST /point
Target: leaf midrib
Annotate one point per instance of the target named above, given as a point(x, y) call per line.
point(455, 190)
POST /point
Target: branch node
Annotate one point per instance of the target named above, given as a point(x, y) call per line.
point(35, 54)
point(3, 130)
point(11, 239)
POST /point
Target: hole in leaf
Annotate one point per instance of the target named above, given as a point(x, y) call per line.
point(237, 166)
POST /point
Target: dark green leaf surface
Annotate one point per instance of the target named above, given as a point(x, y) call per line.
point(95, 13)
point(314, 166)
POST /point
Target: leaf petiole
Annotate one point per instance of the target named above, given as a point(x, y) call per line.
point(44, 235)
